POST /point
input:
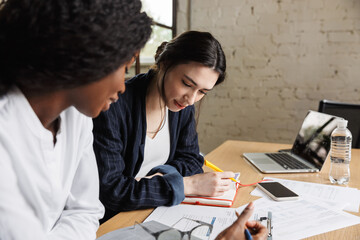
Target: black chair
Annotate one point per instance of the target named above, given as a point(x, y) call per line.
point(348, 111)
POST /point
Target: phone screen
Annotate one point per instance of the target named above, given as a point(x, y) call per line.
point(277, 190)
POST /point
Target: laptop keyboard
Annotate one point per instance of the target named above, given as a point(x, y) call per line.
point(287, 161)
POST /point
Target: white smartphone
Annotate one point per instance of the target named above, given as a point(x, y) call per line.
point(277, 191)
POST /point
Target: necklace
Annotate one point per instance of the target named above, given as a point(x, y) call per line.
point(161, 124)
point(154, 94)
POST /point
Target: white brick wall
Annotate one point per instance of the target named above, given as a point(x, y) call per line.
point(283, 57)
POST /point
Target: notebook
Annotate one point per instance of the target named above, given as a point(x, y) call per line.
point(225, 200)
point(308, 152)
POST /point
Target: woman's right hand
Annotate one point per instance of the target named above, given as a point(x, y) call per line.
point(210, 184)
point(237, 230)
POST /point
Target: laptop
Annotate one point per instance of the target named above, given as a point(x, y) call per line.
point(308, 152)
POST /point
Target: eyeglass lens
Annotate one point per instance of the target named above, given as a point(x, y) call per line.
point(171, 234)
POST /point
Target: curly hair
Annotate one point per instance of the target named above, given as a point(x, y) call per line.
point(58, 44)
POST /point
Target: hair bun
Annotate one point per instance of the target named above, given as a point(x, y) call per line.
point(160, 50)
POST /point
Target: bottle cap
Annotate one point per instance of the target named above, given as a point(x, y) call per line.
point(342, 123)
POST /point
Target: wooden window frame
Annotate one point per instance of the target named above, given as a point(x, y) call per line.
point(172, 28)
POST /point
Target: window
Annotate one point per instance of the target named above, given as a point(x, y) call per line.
point(163, 13)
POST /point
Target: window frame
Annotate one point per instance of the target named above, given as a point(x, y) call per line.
point(172, 28)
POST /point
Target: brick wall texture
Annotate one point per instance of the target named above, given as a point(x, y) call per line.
point(283, 57)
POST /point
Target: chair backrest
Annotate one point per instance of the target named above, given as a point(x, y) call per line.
point(348, 111)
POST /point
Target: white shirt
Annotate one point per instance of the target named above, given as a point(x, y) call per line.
point(156, 150)
point(46, 191)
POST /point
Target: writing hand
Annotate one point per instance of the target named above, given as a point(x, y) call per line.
point(208, 184)
point(237, 229)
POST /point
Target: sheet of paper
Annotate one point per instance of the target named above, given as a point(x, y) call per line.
point(219, 217)
point(327, 203)
point(291, 219)
point(340, 197)
point(302, 218)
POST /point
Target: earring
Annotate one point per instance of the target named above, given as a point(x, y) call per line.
point(126, 70)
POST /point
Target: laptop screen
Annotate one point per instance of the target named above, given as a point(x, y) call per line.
point(313, 140)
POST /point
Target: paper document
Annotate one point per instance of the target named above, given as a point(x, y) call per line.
point(302, 218)
point(339, 197)
point(290, 219)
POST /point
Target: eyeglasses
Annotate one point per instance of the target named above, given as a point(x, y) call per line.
point(199, 230)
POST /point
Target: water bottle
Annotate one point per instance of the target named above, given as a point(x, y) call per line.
point(340, 153)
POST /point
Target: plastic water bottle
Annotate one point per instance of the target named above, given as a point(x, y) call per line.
point(340, 153)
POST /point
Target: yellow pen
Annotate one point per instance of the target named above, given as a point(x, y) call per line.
point(215, 168)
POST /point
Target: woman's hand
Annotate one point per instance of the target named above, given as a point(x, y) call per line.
point(237, 230)
point(208, 184)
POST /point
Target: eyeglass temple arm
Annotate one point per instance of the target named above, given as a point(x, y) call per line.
point(146, 229)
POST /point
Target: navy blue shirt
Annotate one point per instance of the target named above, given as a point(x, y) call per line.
point(119, 140)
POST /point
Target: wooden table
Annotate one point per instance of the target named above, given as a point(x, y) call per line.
point(228, 156)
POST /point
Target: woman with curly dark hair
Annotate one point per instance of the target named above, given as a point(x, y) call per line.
point(59, 61)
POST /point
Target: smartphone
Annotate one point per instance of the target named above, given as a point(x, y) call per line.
point(277, 191)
